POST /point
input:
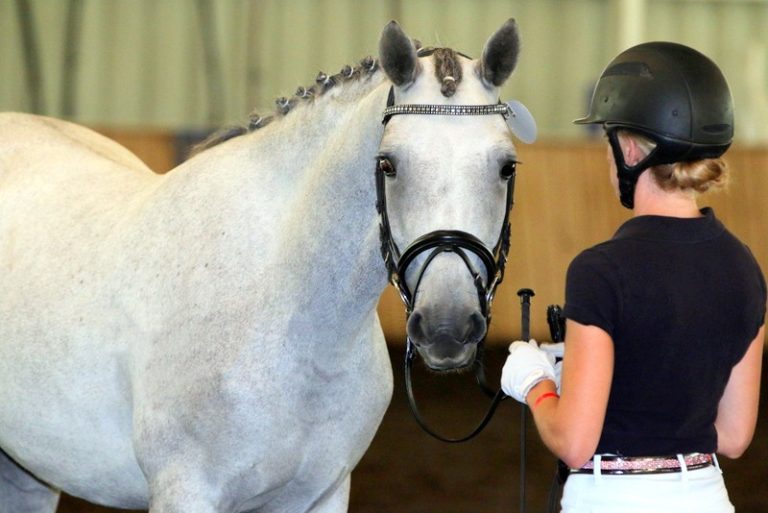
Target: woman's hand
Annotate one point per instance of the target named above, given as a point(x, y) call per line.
point(526, 366)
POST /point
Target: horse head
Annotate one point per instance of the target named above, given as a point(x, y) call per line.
point(445, 175)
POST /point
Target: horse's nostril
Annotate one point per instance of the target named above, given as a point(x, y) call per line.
point(415, 328)
point(476, 328)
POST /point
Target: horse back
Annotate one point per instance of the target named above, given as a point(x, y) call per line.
point(29, 141)
point(58, 177)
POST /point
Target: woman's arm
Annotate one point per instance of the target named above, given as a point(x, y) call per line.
point(570, 426)
point(737, 411)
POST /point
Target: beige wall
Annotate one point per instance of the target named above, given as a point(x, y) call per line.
point(563, 204)
point(141, 61)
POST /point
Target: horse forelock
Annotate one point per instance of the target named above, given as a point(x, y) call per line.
point(447, 70)
point(348, 76)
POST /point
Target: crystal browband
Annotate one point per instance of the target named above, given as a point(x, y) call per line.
point(447, 110)
point(518, 119)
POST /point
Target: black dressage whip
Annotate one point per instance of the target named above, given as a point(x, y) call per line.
point(525, 328)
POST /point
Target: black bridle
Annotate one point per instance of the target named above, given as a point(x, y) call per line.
point(445, 241)
point(440, 241)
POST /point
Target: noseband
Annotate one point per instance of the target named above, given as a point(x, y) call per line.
point(444, 241)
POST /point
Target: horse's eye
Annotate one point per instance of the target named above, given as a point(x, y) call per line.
point(385, 166)
point(508, 170)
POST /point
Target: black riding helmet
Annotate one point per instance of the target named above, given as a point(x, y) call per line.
point(670, 93)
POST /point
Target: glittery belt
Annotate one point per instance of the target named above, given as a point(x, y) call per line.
point(620, 465)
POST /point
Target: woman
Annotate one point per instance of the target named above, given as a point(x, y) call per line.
point(665, 321)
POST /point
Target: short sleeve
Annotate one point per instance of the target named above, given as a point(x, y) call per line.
point(762, 292)
point(592, 295)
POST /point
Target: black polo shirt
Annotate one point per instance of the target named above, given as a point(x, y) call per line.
point(682, 299)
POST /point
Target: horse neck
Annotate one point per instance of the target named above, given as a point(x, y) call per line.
point(309, 176)
point(334, 221)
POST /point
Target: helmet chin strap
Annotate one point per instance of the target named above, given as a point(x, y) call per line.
point(666, 151)
point(626, 174)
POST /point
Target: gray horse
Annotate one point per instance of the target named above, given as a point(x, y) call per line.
point(207, 340)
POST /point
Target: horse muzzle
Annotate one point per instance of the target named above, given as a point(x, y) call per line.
point(446, 330)
point(446, 344)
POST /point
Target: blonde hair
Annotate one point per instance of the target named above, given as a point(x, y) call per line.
point(698, 175)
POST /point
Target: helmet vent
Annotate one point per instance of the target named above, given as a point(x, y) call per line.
point(634, 69)
point(716, 129)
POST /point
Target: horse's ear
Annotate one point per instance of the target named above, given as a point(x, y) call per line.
point(500, 54)
point(397, 55)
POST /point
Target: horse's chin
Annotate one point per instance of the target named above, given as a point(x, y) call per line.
point(443, 359)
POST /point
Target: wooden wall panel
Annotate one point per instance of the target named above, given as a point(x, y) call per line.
point(563, 204)
point(157, 148)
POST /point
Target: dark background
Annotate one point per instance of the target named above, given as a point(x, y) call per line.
point(407, 471)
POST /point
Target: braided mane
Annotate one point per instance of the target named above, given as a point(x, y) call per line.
point(323, 83)
point(447, 71)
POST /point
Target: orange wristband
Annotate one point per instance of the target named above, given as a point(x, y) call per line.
point(542, 397)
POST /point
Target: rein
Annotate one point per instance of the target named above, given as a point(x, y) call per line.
point(480, 376)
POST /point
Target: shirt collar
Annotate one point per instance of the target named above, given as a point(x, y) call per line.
point(672, 229)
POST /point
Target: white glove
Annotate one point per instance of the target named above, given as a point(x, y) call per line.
point(558, 351)
point(526, 366)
